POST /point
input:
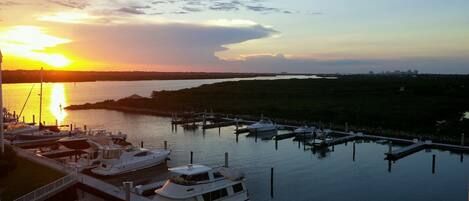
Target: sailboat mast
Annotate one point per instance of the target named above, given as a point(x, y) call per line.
point(40, 102)
point(1, 107)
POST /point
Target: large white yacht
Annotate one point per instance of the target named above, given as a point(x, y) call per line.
point(263, 125)
point(202, 183)
point(114, 160)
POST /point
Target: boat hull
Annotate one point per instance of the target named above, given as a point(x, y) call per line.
point(122, 168)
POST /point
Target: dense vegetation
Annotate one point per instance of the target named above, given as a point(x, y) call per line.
point(426, 104)
point(28, 76)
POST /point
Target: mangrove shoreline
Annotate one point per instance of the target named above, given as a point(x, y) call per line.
point(402, 106)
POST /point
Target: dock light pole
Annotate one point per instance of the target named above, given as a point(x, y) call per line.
point(1, 107)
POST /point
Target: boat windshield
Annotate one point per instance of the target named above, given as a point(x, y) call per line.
point(112, 154)
point(188, 180)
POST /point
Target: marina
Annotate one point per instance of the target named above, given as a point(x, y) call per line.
point(213, 136)
point(117, 190)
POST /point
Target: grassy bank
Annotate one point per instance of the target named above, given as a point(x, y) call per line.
point(422, 105)
point(26, 177)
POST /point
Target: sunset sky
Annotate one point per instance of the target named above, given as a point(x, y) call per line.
point(346, 36)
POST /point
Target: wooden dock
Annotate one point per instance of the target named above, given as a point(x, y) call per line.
point(241, 131)
point(335, 141)
point(405, 151)
point(220, 124)
point(285, 136)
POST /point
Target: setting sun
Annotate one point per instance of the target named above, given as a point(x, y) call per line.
point(33, 43)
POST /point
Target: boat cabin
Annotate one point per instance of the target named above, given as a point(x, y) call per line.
point(202, 183)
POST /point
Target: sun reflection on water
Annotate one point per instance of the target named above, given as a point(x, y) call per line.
point(58, 102)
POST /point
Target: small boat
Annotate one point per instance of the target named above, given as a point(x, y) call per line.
point(15, 128)
point(202, 183)
point(117, 160)
point(263, 125)
point(304, 130)
point(44, 134)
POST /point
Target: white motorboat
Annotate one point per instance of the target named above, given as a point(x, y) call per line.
point(114, 160)
point(202, 183)
point(304, 130)
point(264, 125)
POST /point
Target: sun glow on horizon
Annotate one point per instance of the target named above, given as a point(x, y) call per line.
point(32, 43)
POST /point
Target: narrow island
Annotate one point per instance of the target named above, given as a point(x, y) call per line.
point(30, 76)
point(431, 106)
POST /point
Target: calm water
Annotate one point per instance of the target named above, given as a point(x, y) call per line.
point(59, 95)
point(299, 174)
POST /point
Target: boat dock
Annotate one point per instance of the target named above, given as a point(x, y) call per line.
point(285, 136)
point(335, 141)
point(220, 120)
point(405, 151)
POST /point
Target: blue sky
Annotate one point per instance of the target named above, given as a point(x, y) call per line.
point(346, 36)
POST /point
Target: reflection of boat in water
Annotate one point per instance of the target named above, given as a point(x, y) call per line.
point(264, 125)
point(114, 160)
point(198, 182)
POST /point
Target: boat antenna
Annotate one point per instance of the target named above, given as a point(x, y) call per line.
point(1, 107)
point(40, 102)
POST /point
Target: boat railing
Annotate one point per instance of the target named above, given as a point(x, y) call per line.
point(44, 191)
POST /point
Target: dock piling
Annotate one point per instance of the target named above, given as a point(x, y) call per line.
point(34, 119)
point(272, 182)
point(56, 122)
point(433, 163)
point(237, 135)
point(353, 151)
point(23, 120)
point(84, 127)
point(127, 186)
point(255, 133)
point(276, 144)
point(141, 144)
point(165, 145)
point(390, 147)
point(192, 157)
point(389, 165)
point(461, 158)
point(226, 159)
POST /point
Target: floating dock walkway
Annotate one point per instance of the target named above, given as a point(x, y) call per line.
point(405, 151)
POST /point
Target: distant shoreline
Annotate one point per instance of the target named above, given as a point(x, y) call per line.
point(33, 76)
